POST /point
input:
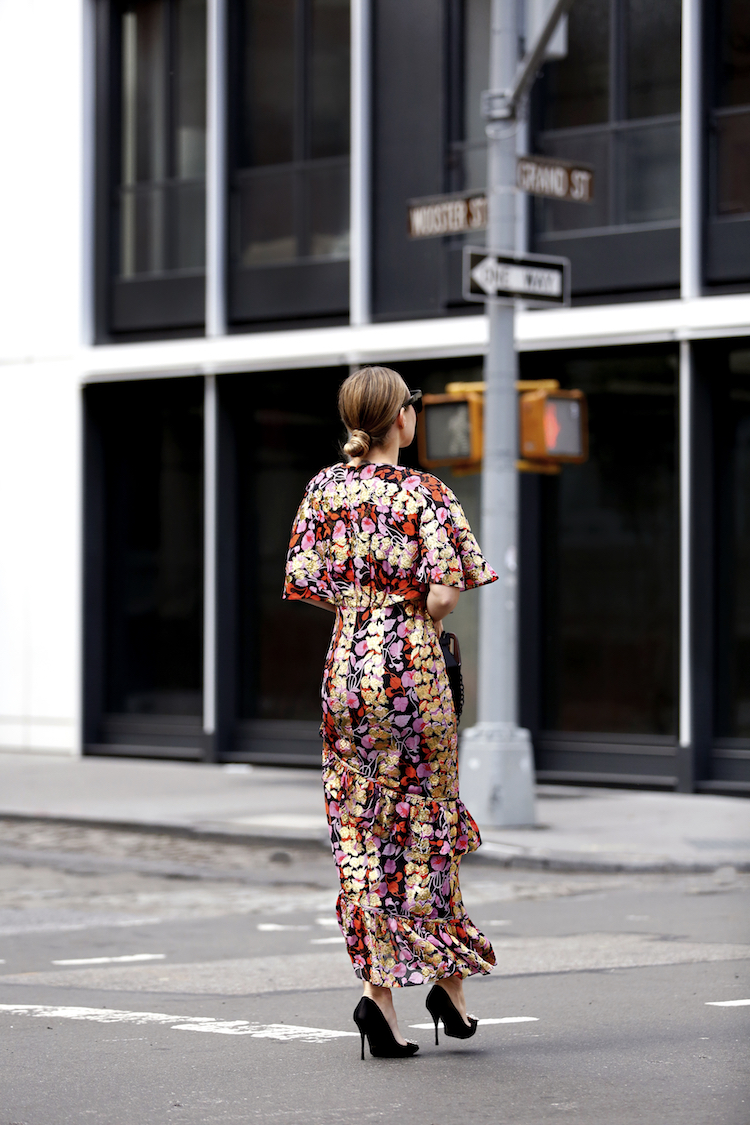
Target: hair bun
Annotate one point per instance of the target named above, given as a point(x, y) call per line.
point(358, 444)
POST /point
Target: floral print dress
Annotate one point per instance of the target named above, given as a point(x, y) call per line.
point(370, 540)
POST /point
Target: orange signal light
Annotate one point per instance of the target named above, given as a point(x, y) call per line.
point(554, 426)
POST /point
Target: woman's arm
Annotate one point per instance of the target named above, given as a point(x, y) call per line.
point(323, 605)
point(441, 601)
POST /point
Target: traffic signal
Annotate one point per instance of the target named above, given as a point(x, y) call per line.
point(553, 426)
point(450, 431)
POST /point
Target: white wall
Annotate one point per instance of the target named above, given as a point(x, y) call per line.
point(41, 228)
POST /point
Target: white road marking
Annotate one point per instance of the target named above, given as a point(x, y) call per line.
point(727, 1003)
point(279, 1031)
point(273, 927)
point(483, 1023)
point(327, 940)
point(112, 960)
point(500, 922)
point(326, 922)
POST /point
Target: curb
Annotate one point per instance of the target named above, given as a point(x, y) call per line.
point(179, 831)
point(519, 860)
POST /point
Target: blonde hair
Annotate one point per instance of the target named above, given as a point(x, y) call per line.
point(369, 401)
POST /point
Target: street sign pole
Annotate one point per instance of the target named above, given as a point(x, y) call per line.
point(497, 778)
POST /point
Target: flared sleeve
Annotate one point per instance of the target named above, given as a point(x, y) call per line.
point(306, 576)
point(448, 552)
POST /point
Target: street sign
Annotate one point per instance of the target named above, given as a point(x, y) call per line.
point(434, 216)
point(535, 278)
point(555, 179)
point(437, 215)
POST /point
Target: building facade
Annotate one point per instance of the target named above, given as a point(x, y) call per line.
point(204, 225)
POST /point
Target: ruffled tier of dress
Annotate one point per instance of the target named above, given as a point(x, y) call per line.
point(393, 951)
point(398, 854)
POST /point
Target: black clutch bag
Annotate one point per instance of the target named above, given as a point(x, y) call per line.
point(452, 656)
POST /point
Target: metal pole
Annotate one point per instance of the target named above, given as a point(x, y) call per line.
point(210, 453)
point(685, 728)
point(691, 172)
point(216, 187)
point(497, 780)
point(359, 237)
point(690, 288)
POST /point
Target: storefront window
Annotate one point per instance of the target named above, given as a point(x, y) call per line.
point(161, 190)
point(286, 429)
point(609, 551)
point(151, 434)
point(732, 444)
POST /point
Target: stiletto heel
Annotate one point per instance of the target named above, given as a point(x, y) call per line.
point(437, 1041)
point(441, 1007)
point(372, 1023)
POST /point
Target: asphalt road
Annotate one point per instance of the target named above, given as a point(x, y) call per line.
point(614, 999)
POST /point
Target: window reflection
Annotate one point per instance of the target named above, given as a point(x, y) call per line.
point(291, 186)
point(163, 148)
point(653, 57)
point(577, 87)
point(614, 103)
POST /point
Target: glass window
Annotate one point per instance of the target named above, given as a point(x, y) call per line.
point(152, 437)
point(161, 196)
point(731, 119)
point(291, 186)
point(609, 551)
point(329, 78)
point(267, 134)
point(652, 66)
point(577, 87)
point(732, 444)
point(613, 102)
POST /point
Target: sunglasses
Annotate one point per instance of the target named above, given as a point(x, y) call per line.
point(415, 400)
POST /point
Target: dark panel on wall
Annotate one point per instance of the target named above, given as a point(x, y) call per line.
point(618, 260)
point(605, 759)
point(728, 250)
point(408, 153)
point(295, 289)
point(143, 304)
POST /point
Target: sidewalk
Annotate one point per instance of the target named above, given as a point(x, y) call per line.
point(577, 828)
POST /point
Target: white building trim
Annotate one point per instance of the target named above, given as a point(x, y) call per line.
point(641, 322)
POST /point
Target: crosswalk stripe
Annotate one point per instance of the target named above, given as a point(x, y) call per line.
point(279, 1031)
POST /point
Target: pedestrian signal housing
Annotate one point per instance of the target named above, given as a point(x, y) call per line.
point(450, 431)
point(554, 426)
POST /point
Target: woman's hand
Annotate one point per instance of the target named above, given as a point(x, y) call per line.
point(441, 600)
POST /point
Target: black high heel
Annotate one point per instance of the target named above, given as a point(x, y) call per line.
point(441, 1007)
point(373, 1024)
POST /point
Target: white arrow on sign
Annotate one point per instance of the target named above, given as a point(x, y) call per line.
point(524, 280)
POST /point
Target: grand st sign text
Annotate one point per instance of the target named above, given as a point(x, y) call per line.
point(463, 212)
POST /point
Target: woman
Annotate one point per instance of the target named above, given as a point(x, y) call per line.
point(388, 550)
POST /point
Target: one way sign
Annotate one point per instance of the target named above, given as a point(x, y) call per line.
point(532, 277)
